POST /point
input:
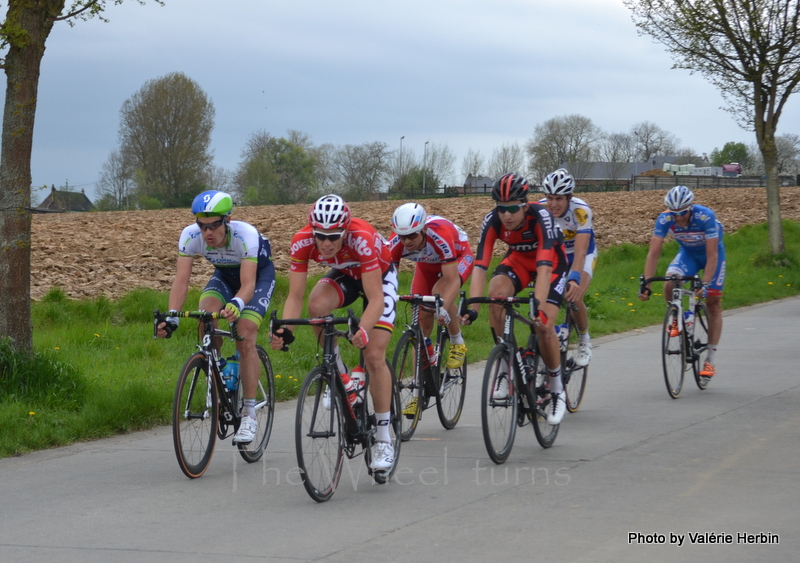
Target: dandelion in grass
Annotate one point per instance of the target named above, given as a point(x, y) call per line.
point(31, 413)
point(769, 283)
point(630, 304)
point(57, 348)
point(277, 376)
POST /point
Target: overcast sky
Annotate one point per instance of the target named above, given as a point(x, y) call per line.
point(463, 73)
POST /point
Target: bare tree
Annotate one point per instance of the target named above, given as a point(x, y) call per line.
point(650, 141)
point(165, 128)
point(614, 150)
point(788, 152)
point(473, 164)
point(116, 182)
point(23, 35)
point(441, 162)
point(363, 169)
point(569, 140)
point(508, 158)
point(750, 50)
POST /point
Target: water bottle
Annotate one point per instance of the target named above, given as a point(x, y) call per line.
point(355, 391)
point(688, 321)
point(431, 352)
point(562, 331)
point(230, 372)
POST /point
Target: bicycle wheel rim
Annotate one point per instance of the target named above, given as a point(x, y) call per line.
point(544, 432)
point(699, 348)
point(265, 409)
point(574, 376)
point(673, 353)
point(409, 382)
point(453, 390)
point(498, 417)
point(195, 411)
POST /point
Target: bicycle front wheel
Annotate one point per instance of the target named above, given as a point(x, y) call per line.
point(195, 411)
point(574, 376)
point(673, 352)
point(319, 435)
point(699, 348)
point(409, 383)
point(452, 390)
point(545, 433)
point(265, 409)
point(499, 405)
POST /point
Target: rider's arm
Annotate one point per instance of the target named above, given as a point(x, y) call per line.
point(582, 240)
point(712, 259)
point(180, 285)
point(247, 277)
point(293, 307)
point(651, 263)
point(450, 286)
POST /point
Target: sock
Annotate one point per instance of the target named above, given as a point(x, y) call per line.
point(456, 338)
point(249, 408)
point(583, 335)
point(556, 386)
point(339, 362)
point(712, 351)
point(382, 420)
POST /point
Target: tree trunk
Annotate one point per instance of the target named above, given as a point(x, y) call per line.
point(31, 23)
point(765, 125)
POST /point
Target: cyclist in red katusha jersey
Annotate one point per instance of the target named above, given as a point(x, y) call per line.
point(360, 265)
point(444, 261)
point(535, 253)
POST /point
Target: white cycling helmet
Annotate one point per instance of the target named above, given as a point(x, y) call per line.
point(408, 219)
point(678, 198)
point(329, 212)
point(559, 182)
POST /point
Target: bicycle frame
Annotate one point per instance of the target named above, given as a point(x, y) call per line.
point(429, 374)
point(678, 292)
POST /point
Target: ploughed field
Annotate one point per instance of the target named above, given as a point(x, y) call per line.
point(111, 253)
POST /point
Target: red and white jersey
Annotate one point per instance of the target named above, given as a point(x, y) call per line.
point(364, 249)
point(445, 242)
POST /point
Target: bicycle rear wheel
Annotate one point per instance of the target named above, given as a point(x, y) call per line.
point(673, 351)
point(545, 433)
point(265, 409)
point(409, 382)
point(453, 389)
point(369, 421)
point(195, 411)
point(498, 413)
point(573, 375)
point(319, 436)
point(699, 351)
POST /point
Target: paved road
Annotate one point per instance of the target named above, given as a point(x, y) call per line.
point(632, 461)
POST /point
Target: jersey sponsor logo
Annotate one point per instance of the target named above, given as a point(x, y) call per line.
point(302, 243)
point(581, 216)
point(569, 234)
point(522, 247)
point(360, 245)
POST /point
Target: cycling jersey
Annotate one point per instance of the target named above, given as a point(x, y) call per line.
point(445, 242)
point(363, 250)
point(577, 219)
point(692, 238)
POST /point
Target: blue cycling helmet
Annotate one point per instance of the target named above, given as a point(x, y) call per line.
point(212, 203)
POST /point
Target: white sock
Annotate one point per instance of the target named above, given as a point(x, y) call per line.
point(584, 336)
point(339, 362)
point(456, 338)
point(383, 419)
point(249, 408)
point(712, 351)
point(556, 386)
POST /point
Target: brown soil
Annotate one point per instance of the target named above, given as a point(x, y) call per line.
point(111, 253)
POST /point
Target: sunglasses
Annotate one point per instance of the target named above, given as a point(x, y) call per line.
point(210, 226)
point(680, 213)
point(409, 237)
point(333, 237)
point(508, 208)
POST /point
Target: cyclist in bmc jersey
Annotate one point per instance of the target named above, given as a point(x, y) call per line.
point(699, 236)
point(444, 261)
point(360, 265)
point(240, 288)
point(535, 253)
point(574, 217)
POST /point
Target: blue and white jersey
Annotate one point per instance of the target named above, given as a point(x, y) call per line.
point(692, 238)
point(577, 219)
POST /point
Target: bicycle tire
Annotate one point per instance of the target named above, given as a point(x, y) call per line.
point(699, 347)
point(319, 436)
point(453, 389)
point(545, 433)
point(369, 421)
point(498, 417)
point(673, 353)
point(574, 376)
point(409, 382)
point(195, 414)
point(265, 409)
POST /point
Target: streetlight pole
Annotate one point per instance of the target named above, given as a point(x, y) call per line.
point(635, 165)
point(424, 164)
point(400, 172)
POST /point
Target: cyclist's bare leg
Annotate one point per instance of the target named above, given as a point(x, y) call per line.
point(249, 363)
point(426, 322)
point(499, 286)
point(321, 301)
point(548, 341)
point(380, 379)
point(714, 304)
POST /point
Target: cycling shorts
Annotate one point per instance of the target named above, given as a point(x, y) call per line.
point(225, 282)
point(688, 264)
point(518, 271)
point(350, 289)
point(427, 274)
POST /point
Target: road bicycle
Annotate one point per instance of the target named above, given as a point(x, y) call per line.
point(421, 378)
point(684, 340)
point(528, 397)
point(573, 375)
point(206, 408)
point(327, 429)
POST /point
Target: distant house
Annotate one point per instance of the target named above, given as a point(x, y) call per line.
point(478, 184)
point(63, 202)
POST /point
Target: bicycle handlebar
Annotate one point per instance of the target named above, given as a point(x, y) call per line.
point(505, 301)
point(695, 279)
point(351, 320)
point(203, 316)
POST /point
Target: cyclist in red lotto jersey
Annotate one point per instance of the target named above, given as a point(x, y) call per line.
point(444, 261)
point(535, 253)
point(360, 265)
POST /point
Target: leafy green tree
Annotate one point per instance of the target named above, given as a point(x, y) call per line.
point(23, 34)
point(165, 131)
point(731, 152)
point(750, 50)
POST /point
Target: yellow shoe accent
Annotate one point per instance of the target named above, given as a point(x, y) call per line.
point(411, 409)
point(457, 354)
point(708, 370)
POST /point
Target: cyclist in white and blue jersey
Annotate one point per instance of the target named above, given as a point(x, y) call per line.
point(574, 217)
point(699, 236)
point(240, 288)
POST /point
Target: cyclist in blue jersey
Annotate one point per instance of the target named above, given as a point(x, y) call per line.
point(240, 288)
point(699, 236)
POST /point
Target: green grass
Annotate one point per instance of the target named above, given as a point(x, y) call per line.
point(97, 371)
